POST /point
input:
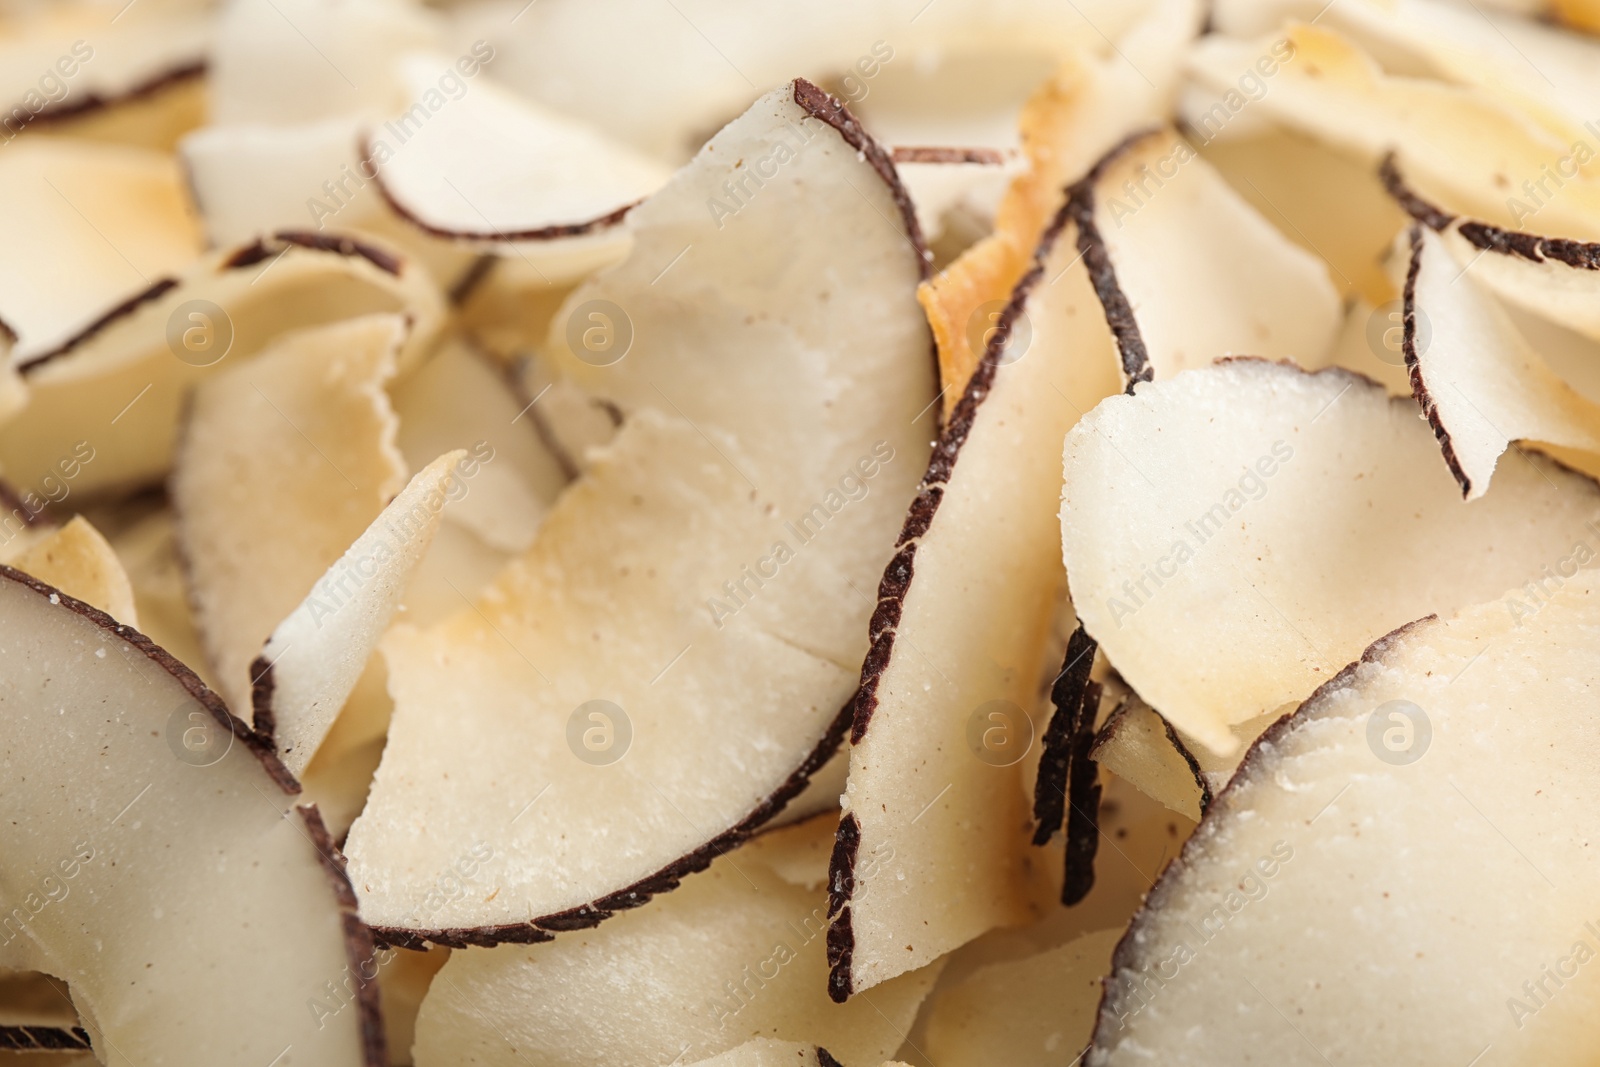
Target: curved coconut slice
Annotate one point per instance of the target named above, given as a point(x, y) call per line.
point(1231, 558)
point(285, 462)
point(1555, 278)
point(746, 950)
point(103, 223)
point(494, 168)
point(1478, 381)
point(780, 413)
point(943, 718)
point(1187, 271)
point(1360, 863)
point(1086, 110)
point(176, 877)
point(314, 658)
point(459, 399)
point(717, 59)
point(1034, 1012)
point(77, 560)
point(1451, 138)
point(119, 386)
point(92, 70)
point(288, 61)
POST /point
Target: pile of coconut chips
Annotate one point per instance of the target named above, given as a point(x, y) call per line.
point(604, 532)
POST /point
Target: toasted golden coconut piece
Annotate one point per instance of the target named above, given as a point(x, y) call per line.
point(103, 223)
point(1089, 106)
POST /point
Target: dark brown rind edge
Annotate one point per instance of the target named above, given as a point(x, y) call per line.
point(1083, 812)
point(668, 877)
point(1069, 695)
point(553, 232)
point(1118, 310)
point(44, 1039)
point(821, 105)
point(96, 102)
point(897, 577)
point(1409, 200)
point(173, 666)
point(1123, 957)
point(151, 293)
point(262, 686)
point(360, 948)
point(339, 244)
point(841, 887)
point(244, 256)
point(1188, 757)
point(1484, 236)
point(825, 1058)
point(1419, 388)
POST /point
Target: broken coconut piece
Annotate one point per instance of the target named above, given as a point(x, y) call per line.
point(177, 875)
point(1480, 383)
point(119, 387)
point(284, 462)
point(1187, 270)
point(311, 663)
point(666, 666)
point(933, 846)
point(747, 958)
point(1273, 525)
point(77, 560)
point(496, 168)
point(1359, 865)
point(103, 223)
point(1139, 745)
point(1038, 1011)
point(1091, 105)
